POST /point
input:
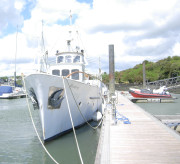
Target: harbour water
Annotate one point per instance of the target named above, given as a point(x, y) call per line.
point(163, 108)
point(19, 143)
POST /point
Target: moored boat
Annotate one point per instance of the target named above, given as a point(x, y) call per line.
point(147, 93)
point(11, 92)
point(64, 86)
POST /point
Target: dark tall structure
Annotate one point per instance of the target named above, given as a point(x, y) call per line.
point(144, 75)
point(111, 71)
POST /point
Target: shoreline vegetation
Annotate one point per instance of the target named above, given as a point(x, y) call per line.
point(162, 69)
point(10, 80)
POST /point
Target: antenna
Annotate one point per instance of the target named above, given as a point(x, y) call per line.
point(43, 46)
point(70, 18)
point(15, 58)
point(70, 31)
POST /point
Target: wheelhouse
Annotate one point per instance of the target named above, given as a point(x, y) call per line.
point(73, 58)
point(69, 63)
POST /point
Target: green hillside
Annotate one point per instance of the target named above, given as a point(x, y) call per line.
point(162, 69)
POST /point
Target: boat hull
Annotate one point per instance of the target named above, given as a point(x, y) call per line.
point(49, 90)
point(138, 94)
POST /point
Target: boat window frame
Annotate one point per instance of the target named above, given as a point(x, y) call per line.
point(65, 74)
point(78, 61)
point(73, 76)
point(62, 61)
point(68, 60)
point(56, 70)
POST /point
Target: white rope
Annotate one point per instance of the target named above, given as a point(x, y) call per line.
point(72, 123)
point(35, 126)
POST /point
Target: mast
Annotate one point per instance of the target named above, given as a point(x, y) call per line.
point(15, 59)
point(70, 31)
point(100, 68)
point(43, 58)
point(144, 74)
point(43, 46)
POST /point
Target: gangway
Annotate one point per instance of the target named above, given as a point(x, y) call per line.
point(170, 83)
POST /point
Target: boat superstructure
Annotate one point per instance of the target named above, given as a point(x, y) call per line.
point(69, 63)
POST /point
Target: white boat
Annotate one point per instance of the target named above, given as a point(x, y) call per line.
point(48, 93)
point(11, 92)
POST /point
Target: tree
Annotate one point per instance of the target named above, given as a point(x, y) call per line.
point(105, 78)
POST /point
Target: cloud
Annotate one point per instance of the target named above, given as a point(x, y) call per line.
point(109, 28)
point(10, 15)
point(140, 30)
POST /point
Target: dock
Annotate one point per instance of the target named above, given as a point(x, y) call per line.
point(13, 96)
point(159, 100)
point(140, 138)
point(172, 121)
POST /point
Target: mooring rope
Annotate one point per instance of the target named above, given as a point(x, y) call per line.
point(81, 112)
point(34, 124)
point(72, 123)
point(122, 118)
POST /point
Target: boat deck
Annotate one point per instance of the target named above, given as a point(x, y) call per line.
point(13, 96)
point(144, 140)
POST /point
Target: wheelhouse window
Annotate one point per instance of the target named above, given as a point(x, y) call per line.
point(75, 76)
point(56, 72)
point(65, 72)
point(76, 59)
point(60, 59)
point(68, 59)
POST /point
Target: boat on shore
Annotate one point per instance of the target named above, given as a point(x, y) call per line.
point(65, 85)
point(147, 93)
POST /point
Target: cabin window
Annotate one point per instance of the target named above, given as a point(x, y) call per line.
point(68, 59)
point(76, 59)
point(75, 76)
point(60, 59)
point(65, 72)
point(56, 72)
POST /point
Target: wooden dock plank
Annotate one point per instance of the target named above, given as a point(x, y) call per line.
point(145, 140)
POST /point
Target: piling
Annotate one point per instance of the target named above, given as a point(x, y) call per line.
point(144, 75)
point(111, 71)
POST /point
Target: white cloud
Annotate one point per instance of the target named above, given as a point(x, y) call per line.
point(149, 42)
point(19, 4)
point(140, 30)
point(176, 49)
point(9, 14)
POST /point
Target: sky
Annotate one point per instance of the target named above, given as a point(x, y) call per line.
point(139, 30)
